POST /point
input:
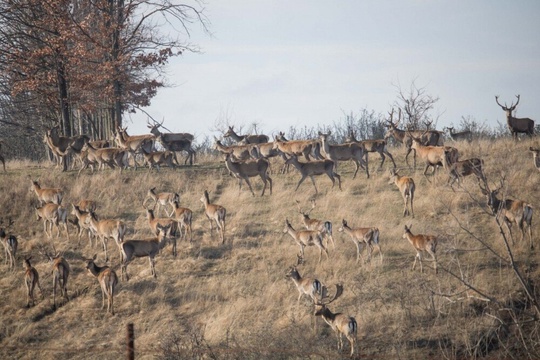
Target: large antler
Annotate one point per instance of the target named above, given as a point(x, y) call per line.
point(325, 300)
point(497, 100)
point(313, 204)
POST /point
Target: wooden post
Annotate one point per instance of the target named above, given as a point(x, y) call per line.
point(130, 342)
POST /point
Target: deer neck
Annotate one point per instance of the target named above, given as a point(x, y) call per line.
point(236, 137)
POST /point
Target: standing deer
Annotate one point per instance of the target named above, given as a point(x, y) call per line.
point(10, 244)
point(511, 211)
point(342, 152)
point(31, 279)
point(406, 188)
point(83, 221)
point(378, 146)
point(536, 157)
point(467, 167)
point(516, 125)
point(54, 215)
point(368, 236)
point(174, 141)
point(47, 195)
point(153, 222)
point(422, 243)
point(243, 170)
point(107, 279)
point(340, 323)
point(161, 200)
point(60, 272)
point(108, 228)
point(314, 168)
point(458, 136)
point(184, 216)
point(434, 156)
point(305, 285)
point(216, 213)
point(306, 238)
point(325, 227)
point(247, 139)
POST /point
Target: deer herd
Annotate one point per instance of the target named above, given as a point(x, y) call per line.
point(249, 158)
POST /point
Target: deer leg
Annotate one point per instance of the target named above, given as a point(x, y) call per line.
point(249, 185)
point(301, 181)
point(315, 186)
point(391, 157)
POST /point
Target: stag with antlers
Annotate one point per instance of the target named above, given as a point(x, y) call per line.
point(174, 141)
point(516, 125)
point(323, 226)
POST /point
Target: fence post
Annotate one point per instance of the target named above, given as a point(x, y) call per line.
point(130, 342)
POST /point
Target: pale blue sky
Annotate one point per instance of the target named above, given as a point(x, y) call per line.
point(281, 63)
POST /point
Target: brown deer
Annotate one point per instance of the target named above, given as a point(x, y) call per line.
point(305, 285)
point(53, 215)
point(174, 141)
point(47, 195)
point(108, 228)
point(83, 222)
point(340, 323)
point(467, 167)
point(243, 170)
point(314, 168)
point(536, 157)
point(10, 244)
point(161, 200)
point(216, 213)
point(306, 238)
point(240, 152)
point(406, 188)
point(511, 211)
point(247, 139)
point(421, 243)
point(343, 152)
point(31, 280)
point(516, 125)
point(134, 144)
point(172, 224)
point(184, 216)
point(378, 146)
point(368, 236)
point(159, 158)
point(434, 156)
point(107, 279)
point(324, 226)
point(60, 272)
point(459, 136)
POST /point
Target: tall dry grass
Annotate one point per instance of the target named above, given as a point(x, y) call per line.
point(234, 301)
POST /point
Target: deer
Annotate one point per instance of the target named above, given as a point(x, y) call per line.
point(10, 244)
point(434, 156)
point(406, 188)
point(459, 136)
point(174, 141)
point(324, 226)
point(53, 215)
point(343, 152)
point(314, 168)
point(111, 157)
point(243, 170)
point(368, 236)
point(60, 273)
point(83, 222)
point(421, 243)
point(305, 285)
point(516, 125)
point(247, 139)
point(31, 280)
point(2, 159)
point(107, 279)
point(267, 150)
point(159, 158)
point(340, 323)
point(294, 147)
point(153, 222)
point(161, 200)
point(511, 211)
point(108, 228)
point(143, 248)
point(306, 238)
point(240, 152)
point(378, 146)
point(536, 157)
point(467, 167)
point(47, 195)
point(184, 217)
point(59, 145)
point(216, 213)
point(134, 144)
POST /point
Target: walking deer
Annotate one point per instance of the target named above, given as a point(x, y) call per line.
point(516, 125)
point(243, 170)
point(10, 244)
point(305, 285)
point(247, 139)
point(368, 236)
point(31, 280)
point(83, 221)
point(378, 146)
point(47, 195)
point(306, 238)
point(216, 213)
point(184, 216)
point(161, 200)
point(340, 323)
point(240, 152)
point(406, 188)
point(342, 152)
point(421, 243)
point(314, 168)
point(107, 279)
point(108, 228)
point(324, 226)
point(60, 273)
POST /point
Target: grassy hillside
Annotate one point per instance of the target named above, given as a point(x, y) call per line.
point(234, 301)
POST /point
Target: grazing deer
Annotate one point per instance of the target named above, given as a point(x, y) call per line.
point(160, 158)
point(314, 168)
point(516, 125)
point(162, 199)
point(368, 236)
point(340, 323)
point(174, 141)
point(467, 167)
point(153, 222)
point(458, 136)
point(536, 157)
point(342, 152)
point(406, 188)
point(306, 238)
point(214, 212)
point(142, 248)
point(422, 243)
point(107, 280)
point(325, 227)
point(31, 279)
point(511, 211)
point(378, 146)
point(60, 272)
point(250, 168)
point(83, 222)
point(248, 139)
point(108, 228)
point(47, 195)
point(305, 285)
point(10, 244)
point(184, 217)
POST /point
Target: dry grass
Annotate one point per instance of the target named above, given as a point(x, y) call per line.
point(233, 300)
